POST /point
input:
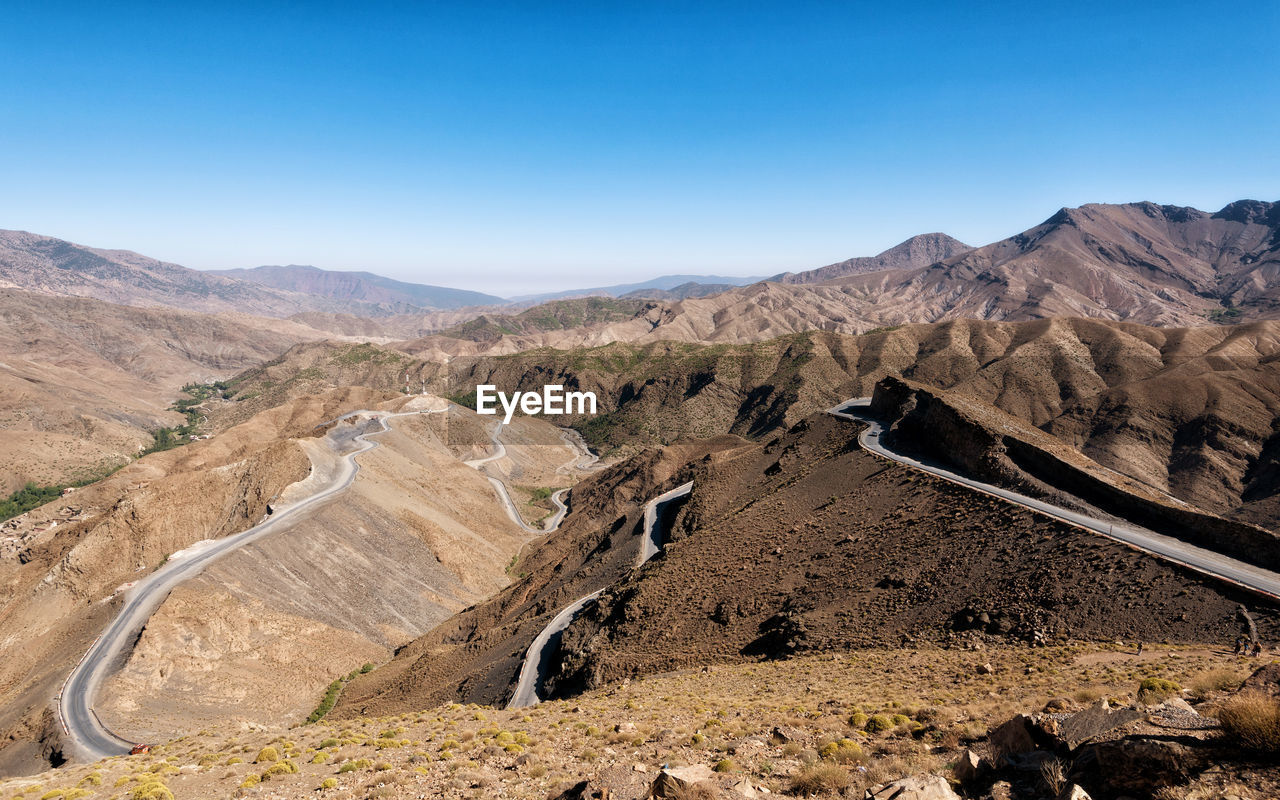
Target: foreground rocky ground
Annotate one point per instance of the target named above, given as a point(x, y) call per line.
point(834, 725)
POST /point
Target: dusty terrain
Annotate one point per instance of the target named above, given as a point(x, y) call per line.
point(1191, 412)
point(476, 654)
point(806, 544)
point(760, 723)
point(82, 381)
point(258, 636)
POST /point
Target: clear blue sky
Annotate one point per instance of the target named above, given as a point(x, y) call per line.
point(511, 147)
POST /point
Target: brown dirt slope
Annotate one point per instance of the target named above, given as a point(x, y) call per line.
point(811, 544)
point(62, 567)
point(258, 635)
point(805, 544)
point(476, 654)
point(82, 381)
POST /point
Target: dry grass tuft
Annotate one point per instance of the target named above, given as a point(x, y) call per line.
point(1253, 721)
point(819, 777)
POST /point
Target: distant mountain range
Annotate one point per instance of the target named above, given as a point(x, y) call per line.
point(662, 286)
point(360, 287)
point(1136, 262)
point(1140, 262)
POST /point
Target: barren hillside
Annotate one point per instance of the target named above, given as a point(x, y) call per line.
point(83, 381)
point(805, 544)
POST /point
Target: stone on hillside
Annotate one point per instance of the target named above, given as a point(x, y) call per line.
point(1142, 766)
point(1013, 737)
point(1073, 792)
point(681, 781)
point(1093, 722)
point(917, 787)
point(782, 734)
point(969, 767)
point(614, 783)
point(1265, 680)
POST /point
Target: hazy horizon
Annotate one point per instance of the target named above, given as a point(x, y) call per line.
point(516, 150)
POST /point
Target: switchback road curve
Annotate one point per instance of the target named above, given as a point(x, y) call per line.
point(1199, 559)
point(533, 669)
point(88, 737)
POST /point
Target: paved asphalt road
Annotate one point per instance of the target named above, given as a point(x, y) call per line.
point(91, 739)
point(504, 495)
point(534, 668)
point(1166, 547)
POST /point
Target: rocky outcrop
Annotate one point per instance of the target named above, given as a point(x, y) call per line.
point(916, 787)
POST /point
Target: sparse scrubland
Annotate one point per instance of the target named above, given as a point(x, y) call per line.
point(802, 726)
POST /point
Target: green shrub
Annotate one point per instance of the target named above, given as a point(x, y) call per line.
point(841, 751)
point(320, 758)
point(352, 766)
point(857, 719)
point(1156, 690)
point(879, 724)
point(725, 765)
point(329, 783)
point(250, 780)
point(267, 754)
point(151, 789)
point(1253, 721)
point(285, 767)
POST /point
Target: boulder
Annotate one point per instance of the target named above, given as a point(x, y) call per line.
point(1073, 792)
point(615, 783)
point(917, 787)
point(680, 782)
point(1013, 737)
point(1265, 679)
point(740, 787)
point(747, 745)
point(986, 669)
point(970, 767)
point(1094, 721)
point(1142, 766)
point(782, 734)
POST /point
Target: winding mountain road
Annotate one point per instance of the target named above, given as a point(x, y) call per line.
point(1199, 559)
point(508, 502)
point(87, 734)
point(534, 668)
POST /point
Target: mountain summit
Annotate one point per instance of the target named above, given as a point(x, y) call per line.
point(918, 251)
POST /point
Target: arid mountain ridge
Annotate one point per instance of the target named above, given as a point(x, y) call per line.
point(1141, 262)
point(359, 287)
